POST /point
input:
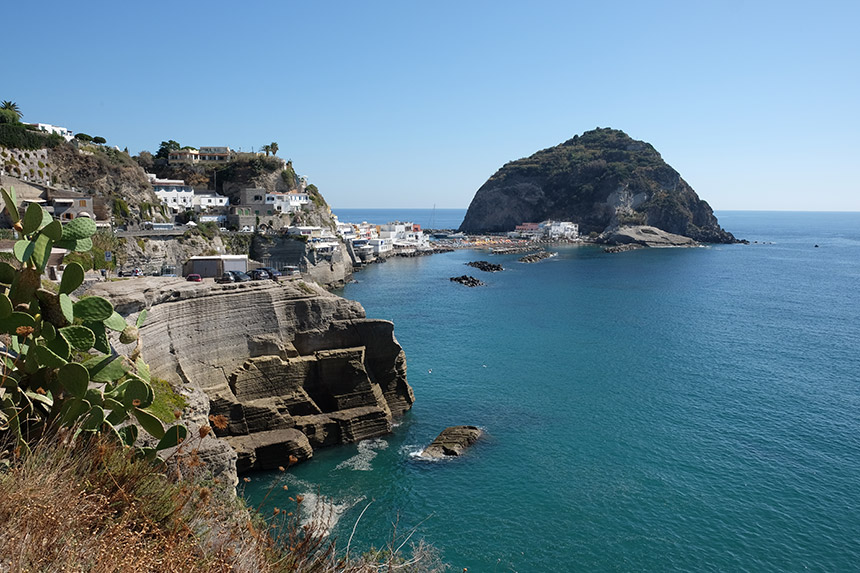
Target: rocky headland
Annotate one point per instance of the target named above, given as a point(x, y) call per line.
point(601, 180)
point(287, 367)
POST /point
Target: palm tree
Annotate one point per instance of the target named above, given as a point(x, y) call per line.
point(267, 149)
point(12, 106)
point(274, 147)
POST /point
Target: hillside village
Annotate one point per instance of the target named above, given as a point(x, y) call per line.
point(197, 203)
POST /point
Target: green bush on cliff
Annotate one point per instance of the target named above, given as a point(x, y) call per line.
point(16, 136)
point(60, 369)
point(120, 209)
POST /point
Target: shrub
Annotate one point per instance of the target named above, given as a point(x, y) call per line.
point(7, 116)
point(17, 137)
point(120, 209)
point(67, 347)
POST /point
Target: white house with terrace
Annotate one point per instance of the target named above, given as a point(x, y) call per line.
point(287, 202)
point(173, 193)
point(179, 197)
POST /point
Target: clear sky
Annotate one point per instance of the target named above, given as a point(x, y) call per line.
point(415, 104)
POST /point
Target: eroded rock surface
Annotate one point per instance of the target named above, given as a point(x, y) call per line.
point(647, 237)
point(453, 441)
point(290, 366)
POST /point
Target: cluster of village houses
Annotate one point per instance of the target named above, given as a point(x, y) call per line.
point(546, 231)
point(259, 210)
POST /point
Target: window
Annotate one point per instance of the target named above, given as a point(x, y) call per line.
point(82, 203)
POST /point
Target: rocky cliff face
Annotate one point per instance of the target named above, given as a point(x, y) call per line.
point(104, 172)
point(290, 366)
point(601, 180)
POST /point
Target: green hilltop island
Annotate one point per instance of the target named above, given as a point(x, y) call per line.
point(615, 188)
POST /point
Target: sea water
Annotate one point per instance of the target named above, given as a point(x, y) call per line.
point(655, 410)
point(427, 218)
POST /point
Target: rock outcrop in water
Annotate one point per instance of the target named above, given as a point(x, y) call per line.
point(453, 441)
point(486, 266)
point(467, 280)
point(601, 180)
point(290, 366)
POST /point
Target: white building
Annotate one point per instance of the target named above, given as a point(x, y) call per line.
point(404, 235)
point(380, 245)
point(345, 230)
point(204, 200)
point(559, 230)
point(287, 202)
point(173, 192)
point(306, 231)
point(61, 131)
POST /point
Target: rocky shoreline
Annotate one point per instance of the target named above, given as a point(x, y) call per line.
point(286, 367)
point(537, 257)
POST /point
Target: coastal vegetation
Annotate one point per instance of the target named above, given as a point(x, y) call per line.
point(82, 486)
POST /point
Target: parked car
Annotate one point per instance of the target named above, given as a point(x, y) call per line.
point(273, 273)
point(226, 278)
point(259, 274)
point(240, 277)
point(194, 278)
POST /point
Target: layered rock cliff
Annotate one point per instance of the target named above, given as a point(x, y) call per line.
point(601, 180)
point(290, 366)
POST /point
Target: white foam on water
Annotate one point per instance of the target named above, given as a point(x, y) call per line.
point(322, 513)
point(414, 452)
point(362, 461)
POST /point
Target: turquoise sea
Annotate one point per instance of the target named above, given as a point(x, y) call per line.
point(655, 410)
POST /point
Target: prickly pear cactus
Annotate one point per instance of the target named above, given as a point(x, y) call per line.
point(56, 364)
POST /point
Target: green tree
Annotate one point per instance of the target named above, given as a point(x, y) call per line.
point(166, 147)
point(83, 137)
point(8, 116)
point(145, 160)
point(99, 139)
point(13, 107)
point(267, 149)
point(274, 147)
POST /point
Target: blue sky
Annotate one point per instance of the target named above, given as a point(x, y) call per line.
point(408, 104)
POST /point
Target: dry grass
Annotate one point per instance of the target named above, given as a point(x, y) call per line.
point(92, 507)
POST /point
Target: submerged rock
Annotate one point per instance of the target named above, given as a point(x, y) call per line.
point(453, 441)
